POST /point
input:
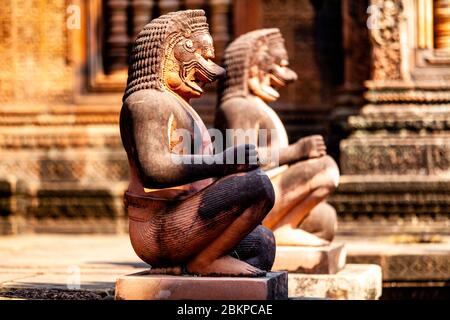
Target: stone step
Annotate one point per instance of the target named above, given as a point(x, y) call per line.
point(354, 282)
point(314, 260)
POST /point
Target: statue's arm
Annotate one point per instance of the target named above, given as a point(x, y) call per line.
point(157, 165)
point(270, 155)
point(286, 155)
point(239, 116)
point(305, 148)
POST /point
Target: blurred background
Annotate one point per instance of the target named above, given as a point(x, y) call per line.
point(373, 79)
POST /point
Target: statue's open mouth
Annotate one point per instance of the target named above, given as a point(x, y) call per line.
point(276, 82)
point(196, 84)
point(271, 91)
point(198, 73)
point(281, 76)
point(276, 78)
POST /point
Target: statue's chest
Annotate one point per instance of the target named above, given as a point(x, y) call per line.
point(273, 122)
point(199, 136)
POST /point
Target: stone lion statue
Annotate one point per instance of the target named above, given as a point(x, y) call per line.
point(189, 211)
point(301, 173)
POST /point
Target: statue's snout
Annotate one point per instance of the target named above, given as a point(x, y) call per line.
point(289, 75)
point(282, 75)
point(218, 71)
point(209, 71)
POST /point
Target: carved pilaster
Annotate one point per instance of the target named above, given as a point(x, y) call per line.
point(142, 14)
point(442, 24)
point(166, 6)
point(385, 36)
point(194, 4)
point(117, 39)
point(7, 43)
point(356, 44)
point(219, 25)
point(34, 52)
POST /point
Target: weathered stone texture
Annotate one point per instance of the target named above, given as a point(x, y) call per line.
point(142, 286)
point(34, 50)
point(396, 161)
point(313, 260)
point(354, 282)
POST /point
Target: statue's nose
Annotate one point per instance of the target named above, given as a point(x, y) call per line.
point(290, 75)
point(215, 71)
point(219, 71)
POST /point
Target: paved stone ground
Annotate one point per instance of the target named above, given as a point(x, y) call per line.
point(48, 266)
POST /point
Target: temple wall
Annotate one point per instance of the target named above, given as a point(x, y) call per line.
point(35, 53)
point(63, 168)
point(396, 161)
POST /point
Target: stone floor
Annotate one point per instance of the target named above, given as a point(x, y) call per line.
point(56, 266)
point(86, 266)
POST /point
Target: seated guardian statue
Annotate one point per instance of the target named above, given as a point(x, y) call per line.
point(189, 212)
point(302, 174)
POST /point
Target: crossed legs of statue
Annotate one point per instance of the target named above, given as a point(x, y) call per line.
point(212, 232)
point(299, 202)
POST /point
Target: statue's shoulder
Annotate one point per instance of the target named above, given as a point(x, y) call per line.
point(152, 104)
point(150, 100)
point(236, 103)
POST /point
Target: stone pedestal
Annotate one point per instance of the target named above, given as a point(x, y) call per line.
point(144, 286)
point(354, 282)
point(312, 260)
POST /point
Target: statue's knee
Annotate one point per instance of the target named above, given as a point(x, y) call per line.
point(331, 172)
point(329, 225)
point(256, 193)
point(266, 247)
point(269, 192)
point(265, 194)
point(267, 238)
point(321, 221)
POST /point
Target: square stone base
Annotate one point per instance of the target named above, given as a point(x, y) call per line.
point(144, 286)
point(312, 260)
point(354, 282)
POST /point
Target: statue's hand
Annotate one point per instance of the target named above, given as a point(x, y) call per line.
point(241, 158)
point(312, 147)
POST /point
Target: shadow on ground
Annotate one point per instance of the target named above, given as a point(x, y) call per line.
point(56, 294)
point(122, 264)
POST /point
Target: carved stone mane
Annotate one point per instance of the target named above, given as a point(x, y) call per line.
point(239, 57)
point(147, 58)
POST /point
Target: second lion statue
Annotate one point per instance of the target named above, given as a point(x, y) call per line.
point(302, 175)
point(188, 211)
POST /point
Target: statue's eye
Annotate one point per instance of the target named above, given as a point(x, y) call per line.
point(189, 44)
